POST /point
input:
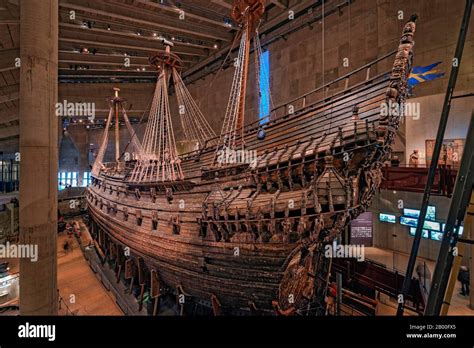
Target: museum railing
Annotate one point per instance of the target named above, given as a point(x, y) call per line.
point(63, 308)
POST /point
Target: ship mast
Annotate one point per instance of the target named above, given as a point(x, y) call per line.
point(116, 105)
point(248, 14)
point(117, 125)
point(159, 160)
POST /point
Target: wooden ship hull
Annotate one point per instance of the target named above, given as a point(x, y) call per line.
point(250, 236)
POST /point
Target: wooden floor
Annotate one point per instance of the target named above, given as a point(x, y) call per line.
point(76, 278)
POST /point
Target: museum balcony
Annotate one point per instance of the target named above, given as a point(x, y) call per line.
point(413, 179)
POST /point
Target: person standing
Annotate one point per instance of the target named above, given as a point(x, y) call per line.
point(463, 277)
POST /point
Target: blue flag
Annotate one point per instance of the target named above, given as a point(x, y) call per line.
point(421, 74)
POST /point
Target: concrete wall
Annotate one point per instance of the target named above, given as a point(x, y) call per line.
point(397, 237)
point(426, 127)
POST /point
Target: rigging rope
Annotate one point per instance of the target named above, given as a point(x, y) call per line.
point(228, 135)
point(159, 159)
point(195, 125)
point(98, 163)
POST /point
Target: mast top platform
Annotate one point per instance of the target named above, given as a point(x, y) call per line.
point(116, 98)
point(248, 12)
point(162, 59)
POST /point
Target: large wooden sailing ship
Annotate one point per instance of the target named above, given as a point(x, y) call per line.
point(247, 234)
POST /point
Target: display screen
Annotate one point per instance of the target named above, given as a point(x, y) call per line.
point(415, 213)
point(408, 221)
point(461, 229)
point(433, 226)
point(437, 236)
point(428, 225)
point(387, 218)
point(424, 233)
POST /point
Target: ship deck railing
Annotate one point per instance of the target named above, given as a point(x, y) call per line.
point(354, 79)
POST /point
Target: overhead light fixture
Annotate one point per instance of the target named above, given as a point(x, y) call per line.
point(108, 27)
point(139, 33)
point(173, 38)
point(155, 34)
point(215, 46)
point(143, 69)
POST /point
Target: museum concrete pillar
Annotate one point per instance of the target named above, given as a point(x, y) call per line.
point(39, 154)
point(469, 220)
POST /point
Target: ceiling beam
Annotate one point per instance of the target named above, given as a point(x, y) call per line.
point(9, 21)
point(112, 57)
point(10, 145)
point(133, 36)
point(114, 45)
point(7, 58)
point(9, 114)
point(9, 97)
point(150, 24)
point(76, 62)
point(111, 71)
point(8, 132)
point(108, 76)
point(222, 3)
point(176, 10)
point(278, 3)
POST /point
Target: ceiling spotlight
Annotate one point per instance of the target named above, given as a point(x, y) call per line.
point(88, 127)
point(138, 69)
point(143, 69)
point(155, 34)
point(84, 24)
point(215, 46)
point(85, 50)
point(108, 27)
point(139, 33)
point(80, 121)
point(173, 38)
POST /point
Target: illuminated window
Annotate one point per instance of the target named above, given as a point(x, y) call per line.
point(86, 179)
point(67, 179)
point(264, 102)
point(74, 179)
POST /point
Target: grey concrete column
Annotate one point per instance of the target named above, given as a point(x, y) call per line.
point(39, 154)
point(469, 220)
